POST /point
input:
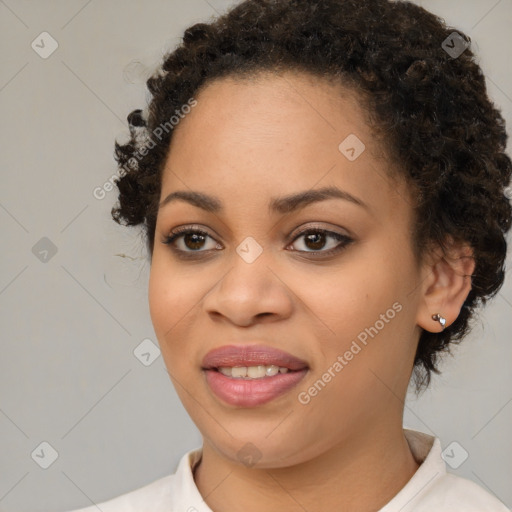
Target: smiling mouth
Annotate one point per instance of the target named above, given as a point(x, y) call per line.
point(251, 375)
point(252, 372)
point(251, 386)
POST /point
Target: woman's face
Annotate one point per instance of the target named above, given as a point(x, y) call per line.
point(329, 279)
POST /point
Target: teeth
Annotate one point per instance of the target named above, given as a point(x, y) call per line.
point(272, 370)
point(255, 372)
point(239, 371)
point(251, 372)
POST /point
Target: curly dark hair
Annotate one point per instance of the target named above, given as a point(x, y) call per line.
point(430, 107)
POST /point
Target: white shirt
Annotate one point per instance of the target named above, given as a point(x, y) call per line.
point(431, 488)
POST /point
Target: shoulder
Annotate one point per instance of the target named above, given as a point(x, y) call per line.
point(167, 493)
point(156, 492)
point(451, 493)
point(433, 489)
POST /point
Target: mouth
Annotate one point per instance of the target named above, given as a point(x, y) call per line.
point(252, 372)
point(251, 375)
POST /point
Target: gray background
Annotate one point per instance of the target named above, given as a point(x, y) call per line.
point(70, 324)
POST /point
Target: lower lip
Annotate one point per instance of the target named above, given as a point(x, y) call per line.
point(252, 392)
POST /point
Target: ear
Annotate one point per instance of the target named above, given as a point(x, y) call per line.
point(446, 283)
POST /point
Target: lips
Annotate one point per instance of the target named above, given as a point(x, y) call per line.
point(251, 355)
point(243, 392)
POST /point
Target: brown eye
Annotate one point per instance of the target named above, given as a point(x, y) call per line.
point(193, 241)
point(314, 240)
point(189, 240)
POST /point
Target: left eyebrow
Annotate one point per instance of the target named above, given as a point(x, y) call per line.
point(290, 203)
point(282, 205)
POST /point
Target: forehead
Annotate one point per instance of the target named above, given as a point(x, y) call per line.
point(256, 137)
point(266, 102)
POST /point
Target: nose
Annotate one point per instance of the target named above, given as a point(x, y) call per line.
point(250, 293)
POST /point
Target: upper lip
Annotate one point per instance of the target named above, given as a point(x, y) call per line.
point(251, 355)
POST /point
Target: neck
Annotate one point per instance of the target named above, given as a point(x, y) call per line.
point(363, 473)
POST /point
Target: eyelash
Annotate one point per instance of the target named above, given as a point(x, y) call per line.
point(180, 232)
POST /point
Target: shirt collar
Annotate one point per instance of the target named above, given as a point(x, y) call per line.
point(426, 450)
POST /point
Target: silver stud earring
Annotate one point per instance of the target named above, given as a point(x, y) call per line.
point(438, 318)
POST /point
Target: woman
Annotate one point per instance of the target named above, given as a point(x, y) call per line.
point(321, 184)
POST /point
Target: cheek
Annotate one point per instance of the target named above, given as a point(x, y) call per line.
point(171, 296)
point(346, 298)
point(364, 302)
point(160, 298)
point(376, 342)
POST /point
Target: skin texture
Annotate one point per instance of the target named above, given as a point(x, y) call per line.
point(247, 142)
